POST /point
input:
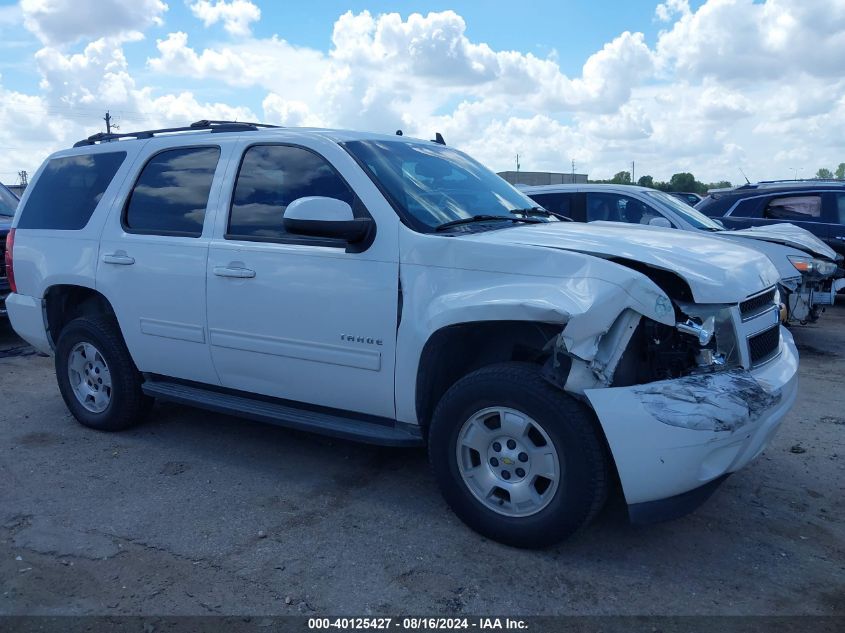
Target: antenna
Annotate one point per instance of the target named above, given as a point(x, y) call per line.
point(748, 182)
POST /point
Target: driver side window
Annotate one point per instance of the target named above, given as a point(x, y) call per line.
point(269, 179)
point(614, 207)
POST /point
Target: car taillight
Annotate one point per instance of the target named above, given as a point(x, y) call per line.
point(10, 271)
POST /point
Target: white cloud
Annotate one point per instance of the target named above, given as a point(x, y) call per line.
point(741, 40)
point(281, 111)
point(58, 22)
point(731, 84)
point(236, 15)
point(668, 10)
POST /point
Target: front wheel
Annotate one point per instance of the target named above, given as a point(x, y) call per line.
point(517, 459)
point(97, 378)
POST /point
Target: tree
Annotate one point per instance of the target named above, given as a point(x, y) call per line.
point(621, 178)
point(722, 184)
point(824, 173)
point(646, 181)
point(840, 171)
point(684, 181)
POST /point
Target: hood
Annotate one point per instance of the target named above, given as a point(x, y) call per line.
point(717, 270)
point(789, 235)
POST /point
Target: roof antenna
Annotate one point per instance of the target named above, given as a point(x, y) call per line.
point(438, 138)
point(744, 176)
point(398, 132)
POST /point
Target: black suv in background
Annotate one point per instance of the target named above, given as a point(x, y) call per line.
point(8, 204)
point(815, 205)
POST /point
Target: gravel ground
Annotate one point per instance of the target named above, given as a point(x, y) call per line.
point(196, 513)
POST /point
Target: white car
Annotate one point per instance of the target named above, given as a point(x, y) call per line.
point(805, 263)
point(397, 292)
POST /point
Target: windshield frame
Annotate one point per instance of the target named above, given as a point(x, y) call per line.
point(689, 214)
point(520, 199)
point(9, 201)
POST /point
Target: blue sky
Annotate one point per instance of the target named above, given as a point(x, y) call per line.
point(676, 85)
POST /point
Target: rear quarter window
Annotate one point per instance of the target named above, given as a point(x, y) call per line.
point(68, 190)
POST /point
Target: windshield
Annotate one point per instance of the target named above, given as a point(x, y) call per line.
point(433, 184)
point(8, 202)
point(696, 218)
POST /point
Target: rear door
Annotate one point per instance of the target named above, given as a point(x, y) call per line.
point(153, 255)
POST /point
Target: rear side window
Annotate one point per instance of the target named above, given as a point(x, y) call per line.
point(273, 176)
point(840, 207)
point(806, 208)
point(171, 194)
point(68, 190)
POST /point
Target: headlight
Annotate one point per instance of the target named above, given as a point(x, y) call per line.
point(823, 267)
point(810, 265)
point(802, 264)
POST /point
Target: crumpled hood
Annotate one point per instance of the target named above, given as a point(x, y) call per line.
point(717, 270)
point(789, 235)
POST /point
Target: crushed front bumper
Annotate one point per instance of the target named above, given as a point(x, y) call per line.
point(673, 437)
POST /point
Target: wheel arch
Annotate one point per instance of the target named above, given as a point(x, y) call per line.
point(457, 349)
point(65, 302)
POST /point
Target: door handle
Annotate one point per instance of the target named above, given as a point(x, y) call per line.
point(238, 273)
point(119, 258)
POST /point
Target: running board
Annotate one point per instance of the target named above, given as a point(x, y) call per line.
point(293, 417)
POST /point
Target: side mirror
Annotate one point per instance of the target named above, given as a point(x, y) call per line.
point(660, 221)
point(319, 216)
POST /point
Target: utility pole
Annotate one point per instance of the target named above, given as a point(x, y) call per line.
point(517, 164)
point(109, 125)
point(22, 175)
point(633, 174)
point(573, 171)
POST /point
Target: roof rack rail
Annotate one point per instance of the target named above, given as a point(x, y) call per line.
point(788, 181)
point(196, 126)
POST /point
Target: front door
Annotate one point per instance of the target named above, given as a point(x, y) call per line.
point(299, 318)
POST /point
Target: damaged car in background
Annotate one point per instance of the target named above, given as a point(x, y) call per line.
point(397, 292)
point(809, 268)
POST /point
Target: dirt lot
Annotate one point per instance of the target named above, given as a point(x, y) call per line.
point(194, 513)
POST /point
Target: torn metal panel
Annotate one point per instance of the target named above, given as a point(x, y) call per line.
point(707, 402)
point(603, 352)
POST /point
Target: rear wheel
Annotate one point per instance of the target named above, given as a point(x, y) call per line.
point(517, 459)
point(97, 377)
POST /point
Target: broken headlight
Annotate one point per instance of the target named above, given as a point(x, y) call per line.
point(711, 329)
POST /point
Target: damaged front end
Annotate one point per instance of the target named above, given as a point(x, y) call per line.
point(684, 401)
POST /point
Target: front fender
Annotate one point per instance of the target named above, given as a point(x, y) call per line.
point(587, 299)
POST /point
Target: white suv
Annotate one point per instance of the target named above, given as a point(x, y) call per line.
point(397, 292)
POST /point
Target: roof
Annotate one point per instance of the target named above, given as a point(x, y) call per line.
point(580, 187)
point(206, 126)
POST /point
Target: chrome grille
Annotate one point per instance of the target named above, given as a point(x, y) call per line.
point(757, 303)
point(764, 346)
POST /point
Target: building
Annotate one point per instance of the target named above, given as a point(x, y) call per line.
point(16, 189)
point(534, 178)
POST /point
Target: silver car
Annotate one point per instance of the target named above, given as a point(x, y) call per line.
point(806, 264)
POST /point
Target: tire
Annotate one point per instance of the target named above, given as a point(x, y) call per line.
point(488, 397)
point(123, 404)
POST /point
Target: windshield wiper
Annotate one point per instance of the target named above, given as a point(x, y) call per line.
point(486, 217)
point(543, 212)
